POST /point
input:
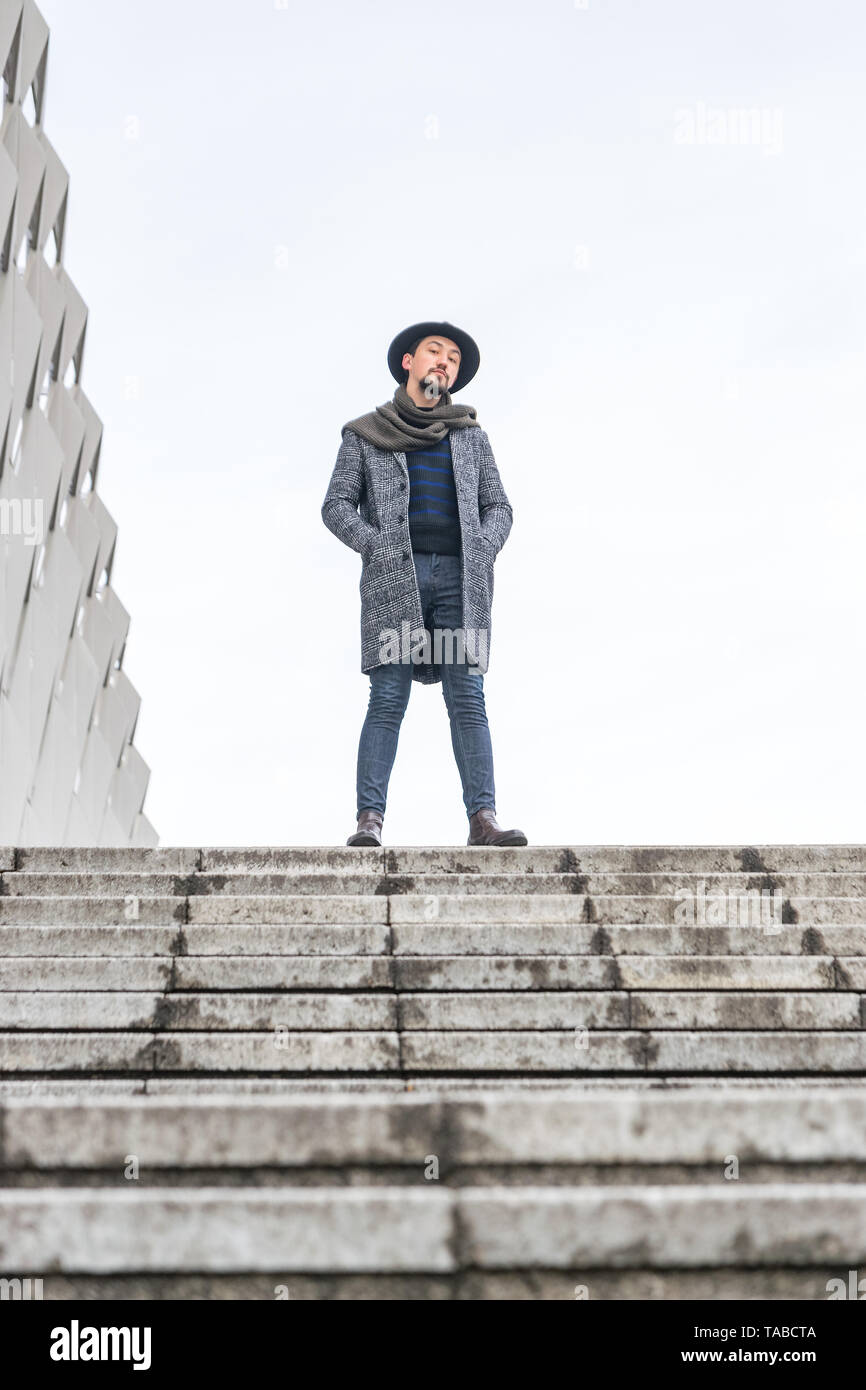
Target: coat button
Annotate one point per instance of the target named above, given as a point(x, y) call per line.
point(402, 487)
point(405, 555)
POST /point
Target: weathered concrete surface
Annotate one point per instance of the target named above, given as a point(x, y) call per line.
point(733, 1225)
point(701, 1125)
point(752, 860)
point(85, 973)
point(117, 1009)
point(89, 912)
point(108, 859)
point(287, 1038)
point(78, 941)
point(358, 877)
point(324, 939)
point(432, 1230)
point(284, 972)
point(213, 1229)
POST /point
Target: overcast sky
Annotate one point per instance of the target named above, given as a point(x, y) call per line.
point(651, 219)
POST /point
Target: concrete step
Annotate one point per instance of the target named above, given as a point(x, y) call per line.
point(475, 906)
point(690, 1052)
point(433, 1230)
point(695, 859)
point(142, 1053)
point(215, 973)
point(429, 939)
point(582, 1038)
point(34, 973)
point(81, 941)
point(351, 908)
point(94, 1009)
point(453, 1052)
point(553, 972)
point(85, 1088)
point(104, 859)
point(301, 938)
point(108, 885)
point(436, 973)
point(90, 1010)
point(709, 892)
point(91, 912)
point(510, 938)
point(798, 1125)
point(587, 972)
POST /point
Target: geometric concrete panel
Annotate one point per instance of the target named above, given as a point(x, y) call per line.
point(69, 773)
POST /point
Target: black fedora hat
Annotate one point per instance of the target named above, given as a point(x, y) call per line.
point(469, 354)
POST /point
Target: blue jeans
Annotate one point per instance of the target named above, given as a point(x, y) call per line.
point(439, 578)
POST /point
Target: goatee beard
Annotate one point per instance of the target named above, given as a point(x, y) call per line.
point(433, 387)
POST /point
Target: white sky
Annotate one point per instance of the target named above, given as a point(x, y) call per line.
point(672, 379)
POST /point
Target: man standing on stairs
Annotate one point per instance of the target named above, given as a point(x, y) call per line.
point(416, 491)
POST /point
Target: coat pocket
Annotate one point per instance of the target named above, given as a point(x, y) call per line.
point(368, 550)
point(370, 582)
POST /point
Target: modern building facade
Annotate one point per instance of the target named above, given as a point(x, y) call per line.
point(69, 771)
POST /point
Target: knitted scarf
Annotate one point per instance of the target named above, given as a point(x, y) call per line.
point(401, 424)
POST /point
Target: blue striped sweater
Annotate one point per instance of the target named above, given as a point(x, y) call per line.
point(434, 519)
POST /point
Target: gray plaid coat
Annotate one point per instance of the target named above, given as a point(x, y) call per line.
point(377, 481)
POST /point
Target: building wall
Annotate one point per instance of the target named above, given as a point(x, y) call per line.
point(69, 771)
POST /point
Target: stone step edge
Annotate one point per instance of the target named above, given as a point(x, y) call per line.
point(378, 908)
point(696, 1126)
point(365, 1229)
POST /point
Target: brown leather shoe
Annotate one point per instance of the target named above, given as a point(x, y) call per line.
point(484, 830)
point(369, 830)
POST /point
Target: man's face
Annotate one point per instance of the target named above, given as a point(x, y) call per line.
point(434, 366)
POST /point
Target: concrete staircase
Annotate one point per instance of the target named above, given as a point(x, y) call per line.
point(551, 1072)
